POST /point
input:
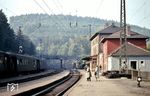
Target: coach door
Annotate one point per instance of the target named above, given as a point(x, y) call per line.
point(11, 64)
point(14, 64)
point(7, 64)
point(38, 64)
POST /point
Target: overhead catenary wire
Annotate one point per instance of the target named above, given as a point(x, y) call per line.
point(9, 10)
point(138, 10)
point(57, 6)
point(98, 8)
point(40, 6)
point(47, 13)
point(145, 17)
point(60, 4)
point(54, 14)
point(60, 8)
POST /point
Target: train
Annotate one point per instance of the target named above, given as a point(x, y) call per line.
point(14, 64)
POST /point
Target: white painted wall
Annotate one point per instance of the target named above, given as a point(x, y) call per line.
point(113, 63)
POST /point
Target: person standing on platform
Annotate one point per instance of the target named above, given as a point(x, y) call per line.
point(88, 73)
point(96, 73)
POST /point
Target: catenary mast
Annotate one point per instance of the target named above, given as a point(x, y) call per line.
point(123, 36)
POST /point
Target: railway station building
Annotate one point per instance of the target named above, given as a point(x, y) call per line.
point(107, 41)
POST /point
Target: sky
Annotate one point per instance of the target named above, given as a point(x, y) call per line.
point(137, 11)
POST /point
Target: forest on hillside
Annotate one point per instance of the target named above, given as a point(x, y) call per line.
point(11, 41)
point(64, 35)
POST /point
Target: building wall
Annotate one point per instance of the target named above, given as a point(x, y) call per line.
point(112, 44)
point(101, 62)
point(105, 55)
point(113, 63)
point(108, 47)
point(94, 51)
point(138, 42)
point(94, 45)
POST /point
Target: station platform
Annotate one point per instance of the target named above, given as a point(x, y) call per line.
point(21, 87)
point(23, 78)
point(108, 87)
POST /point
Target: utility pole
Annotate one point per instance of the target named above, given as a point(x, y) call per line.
point(90, 29)
point(123, 36)
point(76, 21)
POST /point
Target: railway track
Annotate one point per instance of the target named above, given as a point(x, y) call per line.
point(57, 88)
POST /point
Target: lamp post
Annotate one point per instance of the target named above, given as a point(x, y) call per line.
point(139, 78)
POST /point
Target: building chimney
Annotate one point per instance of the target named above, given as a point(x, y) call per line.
point(128, 31)
point(113, 24)
point(106, 25)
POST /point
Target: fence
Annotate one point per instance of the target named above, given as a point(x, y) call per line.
point(134, 73)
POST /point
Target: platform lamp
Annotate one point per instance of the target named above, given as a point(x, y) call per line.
point(139, 78)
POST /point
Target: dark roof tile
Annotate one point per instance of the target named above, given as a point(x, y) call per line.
point(132, 50)
point(108, 30)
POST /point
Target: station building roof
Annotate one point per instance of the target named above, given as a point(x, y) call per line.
point(131, 50)
point(107, 31)
point(113, 32)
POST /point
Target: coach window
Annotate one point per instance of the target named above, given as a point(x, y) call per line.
point(20, 61)
point(5, 59)
point(1, 60)
point(17, 62)
point(34, 62)
point(26, 62)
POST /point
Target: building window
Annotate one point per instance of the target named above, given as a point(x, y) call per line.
point(133, 64)
point(142, 63)
point(20, 62)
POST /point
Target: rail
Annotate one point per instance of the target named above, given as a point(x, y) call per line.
point(56, 88)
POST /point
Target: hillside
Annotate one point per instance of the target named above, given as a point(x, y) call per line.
point(62, 35)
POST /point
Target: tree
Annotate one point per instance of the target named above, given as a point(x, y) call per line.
point(7, 36)
point(25, 42)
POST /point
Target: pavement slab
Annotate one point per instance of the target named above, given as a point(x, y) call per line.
point(108, 87)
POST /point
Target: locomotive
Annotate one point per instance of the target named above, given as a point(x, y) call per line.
point(14, 64)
